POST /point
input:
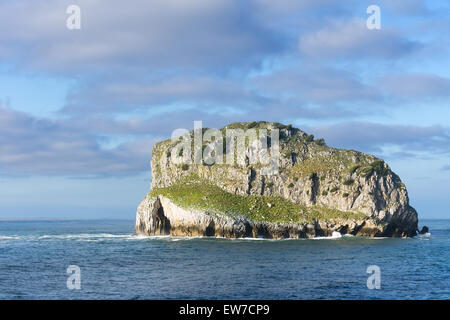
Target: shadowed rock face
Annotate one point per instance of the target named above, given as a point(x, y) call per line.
point(310, 174)
point(424, 230)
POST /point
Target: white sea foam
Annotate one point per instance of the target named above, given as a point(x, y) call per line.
point(82, 236)
point(9, 238)
point(96, 237)
point(348, 236)
point(256, 239)
point(334, 235)
point(186, 238)
point(91, 236)
point(425, 236)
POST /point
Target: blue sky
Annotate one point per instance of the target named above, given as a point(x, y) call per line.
point(81, 109)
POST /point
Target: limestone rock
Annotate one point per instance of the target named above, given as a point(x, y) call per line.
point(310, 174)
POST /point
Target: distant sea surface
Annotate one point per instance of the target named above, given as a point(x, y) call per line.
point(117, 264)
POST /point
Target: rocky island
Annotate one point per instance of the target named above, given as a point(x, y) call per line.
point(316, 190)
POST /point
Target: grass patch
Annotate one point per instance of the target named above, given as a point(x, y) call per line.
point(195, 193)
point(309, 138)
point(334, 189)
point(324, 161)
point(353, 168)
point(321, 142)
point(376, 166)
point(252, 124)
point(349, 182)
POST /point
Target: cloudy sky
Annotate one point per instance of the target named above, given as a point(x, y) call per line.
point(81, 109)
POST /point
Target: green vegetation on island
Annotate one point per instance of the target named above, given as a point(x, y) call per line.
point(199, 194)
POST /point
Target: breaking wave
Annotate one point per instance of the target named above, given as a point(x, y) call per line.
point(76, 237)
point(9, 238)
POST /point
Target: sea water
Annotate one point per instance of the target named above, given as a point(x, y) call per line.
point(115, 263)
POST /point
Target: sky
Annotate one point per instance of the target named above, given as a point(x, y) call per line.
point(80, 109)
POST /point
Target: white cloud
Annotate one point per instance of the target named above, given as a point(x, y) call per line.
point(350, 39)
point(36, 146)
point(372, 137)
point(416, 85)
point(149, 35)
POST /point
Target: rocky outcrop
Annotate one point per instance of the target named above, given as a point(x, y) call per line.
point(424, 230)
point(310, 174)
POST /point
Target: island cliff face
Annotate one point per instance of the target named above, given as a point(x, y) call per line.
point(316, 191)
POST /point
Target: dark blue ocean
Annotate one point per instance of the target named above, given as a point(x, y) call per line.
point(116, 264)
